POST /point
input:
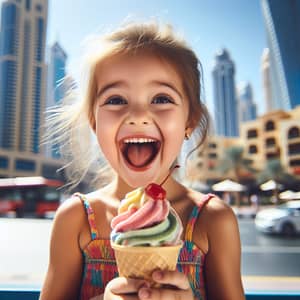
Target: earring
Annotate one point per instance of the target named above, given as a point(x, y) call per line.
point(187, 136)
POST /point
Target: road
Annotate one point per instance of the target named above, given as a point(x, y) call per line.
point(269, 263)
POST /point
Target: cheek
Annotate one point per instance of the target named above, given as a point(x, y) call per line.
point(106, 129)
point(173, 131)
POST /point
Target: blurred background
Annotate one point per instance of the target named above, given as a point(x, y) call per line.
point(250, 56)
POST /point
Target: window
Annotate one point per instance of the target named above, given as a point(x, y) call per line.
point(212, 145)
point(294, 148)
point(39, 7)
point(270, 142)
point(212, 155)
point(3, 162)
point(40, 40)
point(9, 29)
point(272, 155)
point(252, 133)
point(24, 165)
point(269, 126)
point(293, 133)
point(252, 149)
point(294, 162)
point(28, 5)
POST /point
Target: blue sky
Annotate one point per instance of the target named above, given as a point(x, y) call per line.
point(208, 25)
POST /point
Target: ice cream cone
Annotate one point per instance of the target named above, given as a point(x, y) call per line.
point(140, 262)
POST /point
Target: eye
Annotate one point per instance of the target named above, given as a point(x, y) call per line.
point(115, 100)
point(162, 99)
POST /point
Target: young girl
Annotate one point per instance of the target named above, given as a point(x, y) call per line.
point(142, 101)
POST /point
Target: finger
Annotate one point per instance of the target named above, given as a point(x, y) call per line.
point(122, 285)
point(174, 278)
point(164, 294)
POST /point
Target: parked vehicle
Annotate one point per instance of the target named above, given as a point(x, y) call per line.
point(11, 202)
point(29, 195)
point(283, 219)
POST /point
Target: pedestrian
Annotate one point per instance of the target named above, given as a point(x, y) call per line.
point(143, 89)
point(254, 202)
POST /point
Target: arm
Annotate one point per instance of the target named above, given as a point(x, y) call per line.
point(65, 263)
point(222, 265)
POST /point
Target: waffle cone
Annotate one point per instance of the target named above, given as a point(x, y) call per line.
point(140, 262)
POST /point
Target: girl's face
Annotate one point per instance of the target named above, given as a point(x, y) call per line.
point(141, 115)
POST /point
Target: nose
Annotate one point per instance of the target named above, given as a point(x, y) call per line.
point(139, 116)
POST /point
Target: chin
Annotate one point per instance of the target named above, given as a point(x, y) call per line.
point(138, 179)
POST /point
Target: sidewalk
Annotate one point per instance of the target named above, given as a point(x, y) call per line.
point(271, 284)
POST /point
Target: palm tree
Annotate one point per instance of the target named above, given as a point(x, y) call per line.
point(275, 171)
point(235, 161)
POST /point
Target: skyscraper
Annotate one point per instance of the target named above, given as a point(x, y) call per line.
point(266, 80)
point(56, 88)
point(283, 37)
point(247, 108)
point(225, 104)
point(22, 74)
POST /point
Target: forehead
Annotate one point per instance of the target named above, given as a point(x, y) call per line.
point(137, 67)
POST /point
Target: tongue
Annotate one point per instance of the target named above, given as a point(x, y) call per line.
point(139, 154)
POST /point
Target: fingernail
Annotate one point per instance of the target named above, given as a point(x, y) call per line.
point(158, 275)
point(144, 293)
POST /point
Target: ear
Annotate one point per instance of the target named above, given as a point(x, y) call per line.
point(92, 122)
point(188, 133)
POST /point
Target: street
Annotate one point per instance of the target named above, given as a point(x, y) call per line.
point(269, 263)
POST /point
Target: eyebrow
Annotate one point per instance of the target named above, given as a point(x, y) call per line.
point(109, 86)
point(169, 85)
point(123, 83)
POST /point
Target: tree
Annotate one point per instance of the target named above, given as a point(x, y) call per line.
point(235, 161)
point(275, 171)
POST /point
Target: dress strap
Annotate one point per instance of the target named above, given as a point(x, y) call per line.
point(194, 215)
point(90, 214)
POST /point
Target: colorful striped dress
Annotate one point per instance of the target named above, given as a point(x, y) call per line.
point(99, 266)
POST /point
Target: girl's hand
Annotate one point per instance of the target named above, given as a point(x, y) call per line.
point(122, 288)
point(176, 286)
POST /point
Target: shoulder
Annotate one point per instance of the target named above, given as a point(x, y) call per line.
point(70, 214)
point(216, 223)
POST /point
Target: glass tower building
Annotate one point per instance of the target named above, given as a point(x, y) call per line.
point(247, 108)
point(282, 20)
point(225, 104)
point(56, 85)
point(22, 74)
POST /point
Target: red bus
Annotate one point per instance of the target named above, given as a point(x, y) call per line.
point(29, 195)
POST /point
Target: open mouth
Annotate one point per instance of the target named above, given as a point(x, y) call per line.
point(139, 152)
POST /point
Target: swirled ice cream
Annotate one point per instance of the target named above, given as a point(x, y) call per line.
point(146, 218)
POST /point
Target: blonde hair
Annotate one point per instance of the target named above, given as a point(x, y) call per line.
point(70, 124)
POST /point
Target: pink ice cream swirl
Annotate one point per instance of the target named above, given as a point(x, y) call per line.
point(152, 212)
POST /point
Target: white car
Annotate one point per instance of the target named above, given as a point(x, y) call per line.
point(284, 219)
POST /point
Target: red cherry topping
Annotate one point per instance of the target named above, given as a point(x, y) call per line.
point(155, 191)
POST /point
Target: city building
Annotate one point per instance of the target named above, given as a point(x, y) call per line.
point(289, 131)
point(56, 87)
point(22, 74)
point(225, 102)
point(283, 38)
point(266, 80)
point(205, 166)
point(247, 108)
point(23, 89)
point(274, 135)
